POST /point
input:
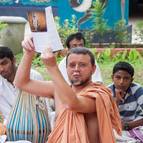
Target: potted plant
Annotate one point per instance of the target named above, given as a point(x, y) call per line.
point(100, 27)
point(102, 33)
point(122, 32)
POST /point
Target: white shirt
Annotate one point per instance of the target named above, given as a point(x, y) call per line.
point(95, 77)
point(8, 93)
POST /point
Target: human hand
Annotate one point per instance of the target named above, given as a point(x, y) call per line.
point(2, 129)
point(28, 45)
point(126, 126)
point(119, 93)
point(48, 58)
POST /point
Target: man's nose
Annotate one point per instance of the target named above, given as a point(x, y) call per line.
point(121, 81)
point(77, 67)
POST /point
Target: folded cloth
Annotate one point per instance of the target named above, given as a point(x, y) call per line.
point(70, 127)
point(3, 138)
point(28, 120)
point(124, 138)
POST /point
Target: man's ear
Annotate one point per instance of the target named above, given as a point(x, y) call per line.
point(14, 60)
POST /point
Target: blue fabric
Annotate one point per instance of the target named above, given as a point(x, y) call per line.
point(28, 121)
point(132, 107)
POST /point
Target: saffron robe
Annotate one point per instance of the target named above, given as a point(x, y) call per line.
point(70, 126)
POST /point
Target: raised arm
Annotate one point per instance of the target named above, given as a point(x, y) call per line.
point(22, 77)
point(65, 93)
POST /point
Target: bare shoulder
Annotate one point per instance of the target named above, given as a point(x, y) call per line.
point(86, 104)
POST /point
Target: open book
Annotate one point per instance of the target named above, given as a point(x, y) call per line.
point(44, 30)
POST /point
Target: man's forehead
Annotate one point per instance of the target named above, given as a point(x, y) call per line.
point(4, 59)
point(122, 73)
point(76, 41)
point(78, 57)
point(81, 40)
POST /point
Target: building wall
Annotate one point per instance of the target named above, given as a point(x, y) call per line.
point(63, 9)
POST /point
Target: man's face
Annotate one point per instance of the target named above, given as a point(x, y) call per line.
point(79, 69)
point(7, 67)
point(76, 43)
point(122, 80)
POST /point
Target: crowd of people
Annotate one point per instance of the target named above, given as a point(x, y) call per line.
point(74, 106)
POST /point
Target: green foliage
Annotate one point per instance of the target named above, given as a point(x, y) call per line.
point(100, 28)
point(99, 23)
point(2, 25)
point(18, 57)
point(120, 56)
point(94, 51)
point(59, 58)
point(121, 33)
point(37, 61)
point(139, 30)
point(134, 56)
point(104, 56)
point(98, 9)
point(67, 28)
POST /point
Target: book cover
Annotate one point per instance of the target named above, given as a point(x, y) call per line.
point(44, 32)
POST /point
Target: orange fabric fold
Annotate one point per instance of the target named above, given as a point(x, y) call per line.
point(106, 110)
point(70, 127)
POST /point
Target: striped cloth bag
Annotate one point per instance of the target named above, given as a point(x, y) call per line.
point(28, 119)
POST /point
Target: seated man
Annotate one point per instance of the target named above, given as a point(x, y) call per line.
point(84, 110)
point(13, 105)
point(73, 41)
point(129, 98)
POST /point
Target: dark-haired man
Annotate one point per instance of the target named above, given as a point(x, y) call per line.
point(8, 92)
point(12, 100)
point(129, 98)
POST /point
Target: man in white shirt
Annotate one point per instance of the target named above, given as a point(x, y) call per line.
point(10, 104)
point(73, 41)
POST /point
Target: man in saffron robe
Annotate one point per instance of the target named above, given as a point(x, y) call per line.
point(85, 110)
